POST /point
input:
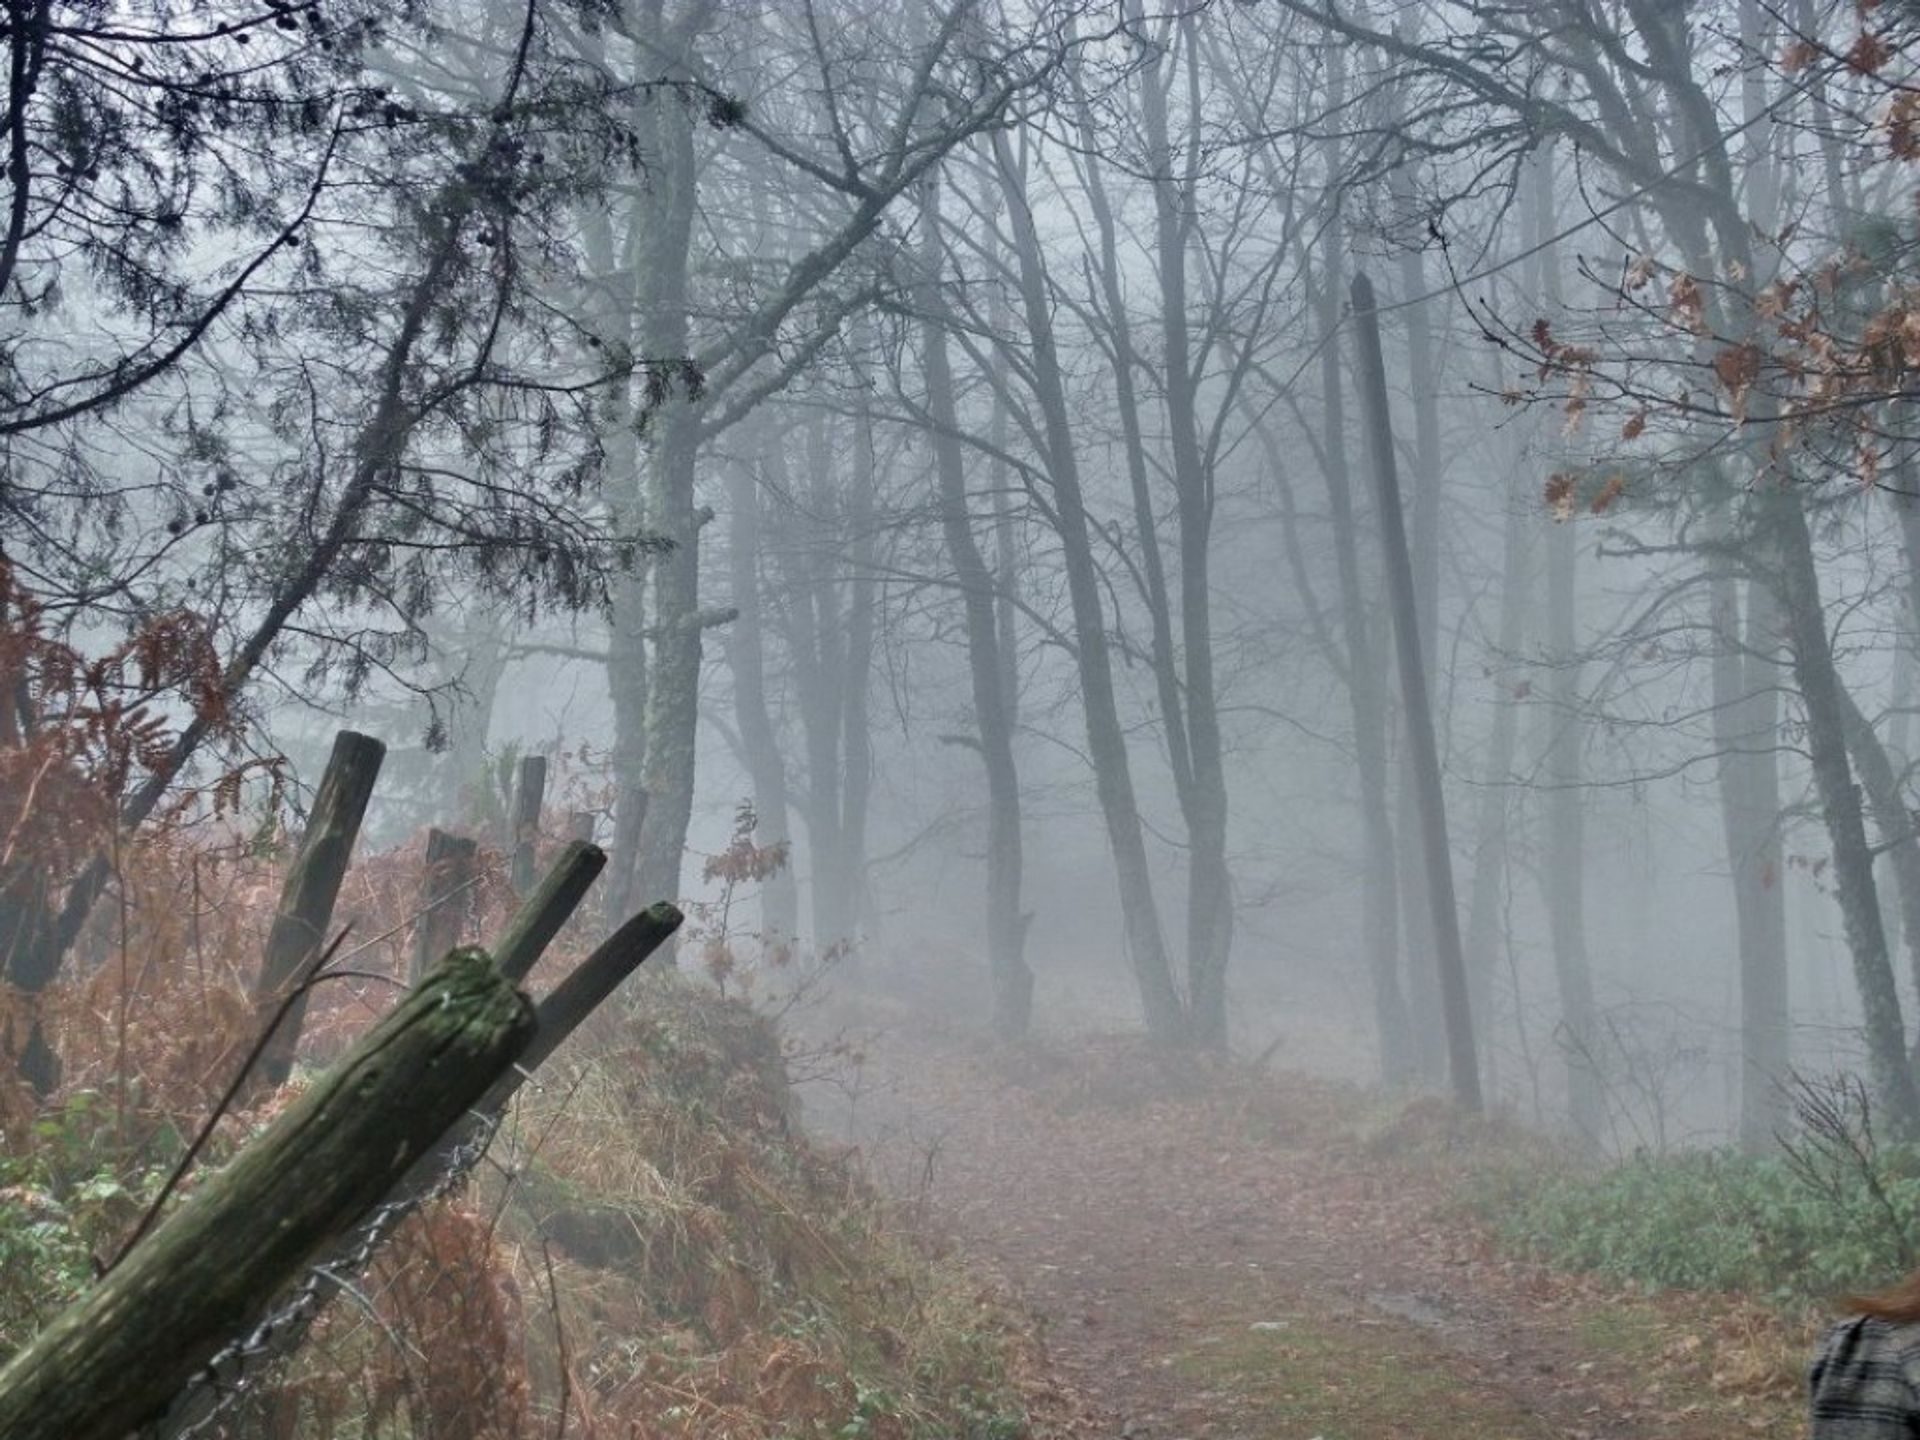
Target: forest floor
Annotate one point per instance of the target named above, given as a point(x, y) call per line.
point(1218, 1252)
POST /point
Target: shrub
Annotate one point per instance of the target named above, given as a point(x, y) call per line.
point(1720, 1220)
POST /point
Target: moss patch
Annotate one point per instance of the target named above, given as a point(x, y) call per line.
point(1352, 1377)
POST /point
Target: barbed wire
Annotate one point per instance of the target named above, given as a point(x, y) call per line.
point(238, 1369)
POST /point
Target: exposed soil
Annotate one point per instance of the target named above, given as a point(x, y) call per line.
point(1219, 1253)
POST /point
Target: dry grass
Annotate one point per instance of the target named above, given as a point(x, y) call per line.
point(652, 1249)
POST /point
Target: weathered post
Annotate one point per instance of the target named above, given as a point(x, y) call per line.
point(529, 794)
point(118, 1355)
point(1463, 1059)
point(528, 935)
point(555, 1019)
point(541, 915)
point(312, 886)
point(453, 867)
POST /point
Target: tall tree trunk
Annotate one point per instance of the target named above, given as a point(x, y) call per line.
point(1563, 877)
point(672, 694)
point(1423, 513)
point(1209, 882)
point(818, 644)
point(1892, 819)
point(476, 662)
point(1785, 526)
point(1463, 1062)
point(1006, 927)
point(1106, 737)
point(1370, 706)
point(746, 658)
point(856, 774)
point(1491, 852)
point(1746, 719)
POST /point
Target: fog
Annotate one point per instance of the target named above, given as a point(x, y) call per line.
point(1380, 540)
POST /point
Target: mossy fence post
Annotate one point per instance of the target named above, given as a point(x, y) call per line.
point(452, 872)
point(307, 897)
point(118, 1355)
point(529, 795)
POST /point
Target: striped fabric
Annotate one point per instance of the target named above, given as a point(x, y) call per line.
point(1865, 1382)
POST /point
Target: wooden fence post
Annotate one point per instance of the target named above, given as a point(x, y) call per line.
point(529, 794)
point(561, 1012)
point(312, 886)
point(549, 907)
point(527, 936)
point(117, 1356)
point(556, 1017)
point(453, 868)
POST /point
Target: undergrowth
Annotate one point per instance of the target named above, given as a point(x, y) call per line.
point(1716, 1220)
point(1831, 1210)
point(653, 1248)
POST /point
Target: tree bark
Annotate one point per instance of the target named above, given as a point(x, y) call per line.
point(1429, 1042)
point(1563, 878)
point(1369, 705)
point(1492, 859)
point(1891, 818)
point(664, 261)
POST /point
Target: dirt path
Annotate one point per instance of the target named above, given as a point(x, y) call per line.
point(1213, 1265)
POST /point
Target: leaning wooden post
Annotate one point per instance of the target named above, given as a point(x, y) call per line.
point(540, 917)
point(529, 794)
point(1462, 1057)
point(592, 983)
point(555, 1018)
point(453, 868)
point(312, 886)
point(116, 1357)
point(562, 1011)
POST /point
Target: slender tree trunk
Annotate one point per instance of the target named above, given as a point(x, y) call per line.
point(1491, 852)
point(1745, 682)
point(1429, 1040)
point(1106, 738)
point(477, 666)
point(1820, 693)
point(1209, 881)
point(818, 644)
point(1012, 981)
point(1891, 818)
point(1367, 694)
point(746, 657)
point(1563, 876)
point(856, 773)
point(1463, 1062)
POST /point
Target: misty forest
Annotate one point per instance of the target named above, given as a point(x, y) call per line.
point(956, 719)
